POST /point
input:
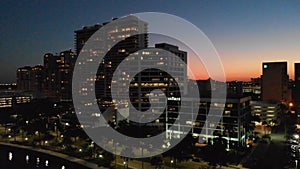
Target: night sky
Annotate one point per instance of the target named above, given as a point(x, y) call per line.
point(245, 33)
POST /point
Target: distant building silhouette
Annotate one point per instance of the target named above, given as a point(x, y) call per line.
point(235, 88)
point(30, 78)
point(275, 82)
point(296, 89)
point(23, 78)
point(253, 89)
point(58, 74)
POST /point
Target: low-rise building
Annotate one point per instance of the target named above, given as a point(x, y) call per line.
point(267, 112)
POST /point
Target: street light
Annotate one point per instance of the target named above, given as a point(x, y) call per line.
point(173, 163)
point(124, 164)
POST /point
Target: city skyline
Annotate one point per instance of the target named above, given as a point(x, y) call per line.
point(242, 32)
point(161, 84)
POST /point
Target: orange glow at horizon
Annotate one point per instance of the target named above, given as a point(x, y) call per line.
point(243, 67)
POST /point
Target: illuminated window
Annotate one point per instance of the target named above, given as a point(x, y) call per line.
point(227, 112)
point(229, 105)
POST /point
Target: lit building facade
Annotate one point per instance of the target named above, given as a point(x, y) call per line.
point(58, 74)
point(240, 88)
point(233, 124)
point(9, 99)
point(253, 89)
point(23, 78)
point(37, 77)
point(123, 32)
point(6, 101)
point(30, 78)
point(82, 36)
point(150, 79)
point(267, 112)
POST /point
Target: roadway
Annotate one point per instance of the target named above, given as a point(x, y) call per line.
point(270, 154)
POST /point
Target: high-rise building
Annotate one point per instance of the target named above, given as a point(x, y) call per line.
point(123, 32)
point(150, 79)
point(131, 49)
point(30, 78)
point(37, 77)
point(173, 49)
point(296, 89)
point(50, 78)
point(23, 78)
point(275, 82)
point(82, 36)
point(58, 74)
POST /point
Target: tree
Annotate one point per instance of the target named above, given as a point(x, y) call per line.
point(216, 153)
point(156, 162)
point(38, 127)
point(105, 159)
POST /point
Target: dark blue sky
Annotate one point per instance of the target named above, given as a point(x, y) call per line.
point(251, 31)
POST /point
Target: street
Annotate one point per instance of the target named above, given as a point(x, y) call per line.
point(271, 155)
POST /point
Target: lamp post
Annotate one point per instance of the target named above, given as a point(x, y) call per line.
point(124, 164)
point(173, 163)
